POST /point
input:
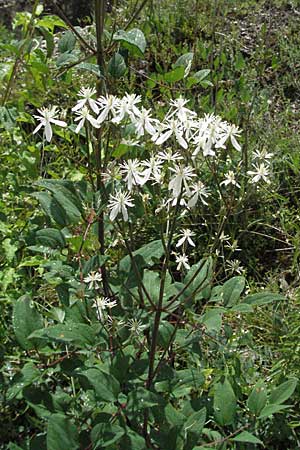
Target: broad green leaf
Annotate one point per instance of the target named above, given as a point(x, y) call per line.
point(77, 333)
point(67, 42)
point(50, 237)
point(283, 391)
point(174, 75)
point(151, 282)
point(184, 60)
point(62, 433)
point(232, 290)
point(105, 434)
point(116, 66)
point(89, 67)
point(149, 253)
point(258, 398)
point(197, 77)
point(141, 398)
point(165, 333)
point(25, 320)
point(134, 40)
point(28, 375)
point(245, 436)
point(105, 385)
point(269, 410)
point(201, 275)
point(242, 308)
point(262, 298)
point(212, 319)
point(195, 423)
point(224, 403)
point(50, 22)
point(133, 441)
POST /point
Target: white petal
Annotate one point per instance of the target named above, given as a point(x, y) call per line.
point(48, 131)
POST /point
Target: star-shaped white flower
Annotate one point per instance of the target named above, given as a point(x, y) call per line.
point(118, 204)
point(87, 99)
point(47, 116)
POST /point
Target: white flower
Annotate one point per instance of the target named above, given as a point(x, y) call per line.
point(261, 172)
point(127, 106)
point(47, 116)
point(230, 179)
point(208, 132)
point(107, 104)
point(153, 169)
point(118, 204)
point(143, 121)
point(171, 127)
point(83, 115)
point(229, 131)
point(198, 190)
point(135, 326)
point(186, 236)
point(92, 280)
point(87, 94)
point(102, 303)
point(169, 156)
point(234, 266)
point(182, 260)
point(182, 113)
point(263, 154)
point(183, 174)
point(131, 169)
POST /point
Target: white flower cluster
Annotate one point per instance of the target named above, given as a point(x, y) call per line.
point(186, 140)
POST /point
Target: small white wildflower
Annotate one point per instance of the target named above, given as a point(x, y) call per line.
point(183, 174)
point(83, 115)
point(234, 266)
point(198, 190)
point(118, 204)
point(169, 156)
point(171, 127)
point(263, 155)
point(132, 170)
point(182, 260)
point(102, 303)
point(143, 122)
point(47, 116)
point(127, 106)
point(93, 279)
point(261, 172)
point(87, 99)
point(230, 179)
point(135, 326)
point(186, 236)
point(107, 104)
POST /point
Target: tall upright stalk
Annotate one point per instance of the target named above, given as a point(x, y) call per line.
point(99, 18)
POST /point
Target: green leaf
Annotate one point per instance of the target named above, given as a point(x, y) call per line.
point(283, 392)
point(262, 298)
point(212, 319)
point(269, 410)
point(184, 60)
point(202, 280)
point(50, 22)
point(28, 375)
point(105, 385)
point(50, 237)
point(195, 423)
point(149, 253)
point(258, 398)
point(197, 77)
point(67, 42)
point(116, 66)
point(25, 320)
point(151, 281)
point(78, 333)
point(141, 398)
point(165, 333)
point(174, 75)
point(89, 67)
point(245, 436)
point(104, 434)
point(224, 403)
point(62, 433)
point(134, 40)
point(232, 290)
